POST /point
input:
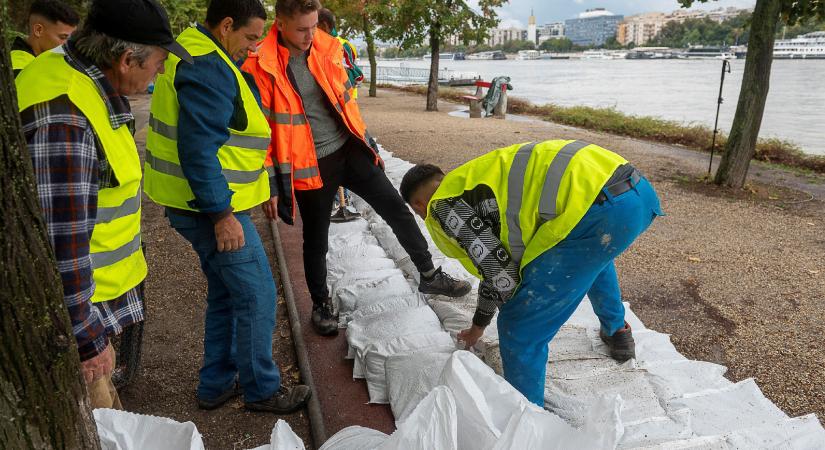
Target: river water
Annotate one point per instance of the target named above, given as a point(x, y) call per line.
point(681, 90)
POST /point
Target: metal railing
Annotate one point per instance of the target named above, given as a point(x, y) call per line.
point(409, 75)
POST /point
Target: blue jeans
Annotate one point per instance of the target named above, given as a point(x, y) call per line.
point(554, 284)
point(240, 311)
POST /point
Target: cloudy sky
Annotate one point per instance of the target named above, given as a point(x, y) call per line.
point(516, 12)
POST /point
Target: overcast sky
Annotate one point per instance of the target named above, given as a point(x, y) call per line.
point(516, 12)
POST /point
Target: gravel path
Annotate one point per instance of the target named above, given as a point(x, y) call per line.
point(736, 278)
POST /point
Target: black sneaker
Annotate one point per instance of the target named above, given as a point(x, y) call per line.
point(442, 284)
point(209, 404)
point(285, 401)
point(621, 344)
point(324, 319)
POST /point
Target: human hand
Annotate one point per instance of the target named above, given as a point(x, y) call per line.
point(270, 208)
point(229, 234)
point(470, 336)
point(101, 365)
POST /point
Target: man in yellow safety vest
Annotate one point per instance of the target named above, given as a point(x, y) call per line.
point(540, 224)
point(51, 22)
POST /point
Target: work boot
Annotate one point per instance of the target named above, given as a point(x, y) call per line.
point(621, 344)
point(442, 284)
point(209, 404)
point(324, 319)
point(285, 401)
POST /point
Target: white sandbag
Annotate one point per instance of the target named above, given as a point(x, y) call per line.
point(671, 379)
point(572, 342)
point(655, 430)
point(492, 357)
point(719, 411)
point(410, 377)
point(454, 316)
point(355, 438)
point(798, 433)
point(283, 438)
point(376, 354)
point(651, 346)
point(485, 401)
point(406, 301)
point(368, 291)
point(696, 443)
point(535, 428)
point(388, 325)
point(431, 425)
point(571, 399)
point(387, 238)
point(122, 430)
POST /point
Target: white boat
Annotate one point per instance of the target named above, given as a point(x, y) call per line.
point(702, 52)
point(528, 54)
point(603, 54)
point(495, 54)
point(807, 46)
point(446, 56)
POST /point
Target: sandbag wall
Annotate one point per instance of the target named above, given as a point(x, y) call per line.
point(404, 346)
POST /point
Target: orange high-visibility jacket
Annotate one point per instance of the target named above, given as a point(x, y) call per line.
point(291, 156)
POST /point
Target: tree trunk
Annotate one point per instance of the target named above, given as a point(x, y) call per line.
point(371, 54)
point(43, 402)
point(741, 144)
point(435, 49)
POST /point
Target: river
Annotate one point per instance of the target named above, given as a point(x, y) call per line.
point(680, 90)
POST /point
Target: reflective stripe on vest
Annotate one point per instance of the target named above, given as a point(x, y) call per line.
point(550, 190)
point(235, 140)
point(285, 118)
point(241, 156)
point(114, 247)
point(175, 170)
point(515, 192)
point(108, 214)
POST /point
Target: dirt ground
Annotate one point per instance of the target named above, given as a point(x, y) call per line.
point(173, 340)
point(736, 277)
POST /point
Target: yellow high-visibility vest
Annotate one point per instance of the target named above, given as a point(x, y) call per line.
point(20, 59)
point(542, 189)
point(241, 156)
point(118, 264)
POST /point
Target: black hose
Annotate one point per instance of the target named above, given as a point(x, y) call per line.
point(316, 419)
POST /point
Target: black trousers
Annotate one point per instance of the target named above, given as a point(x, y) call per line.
point(353, 168)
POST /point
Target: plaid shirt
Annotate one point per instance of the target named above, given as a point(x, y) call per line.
point(70, 166)
point(473, 220)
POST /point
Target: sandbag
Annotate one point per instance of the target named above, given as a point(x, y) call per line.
point(485, 401)
point(357, 295)
point(376, 354)
point(410, 377)
point(407, 301)
point(387, 325)
point(431, 425)
point(355, 438)
point(282, 438)
point(122, 430)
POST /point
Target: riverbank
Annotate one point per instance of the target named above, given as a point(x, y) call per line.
point(736, 279)
point(610, 120)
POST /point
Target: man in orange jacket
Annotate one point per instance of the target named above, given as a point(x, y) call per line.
point(319, 142)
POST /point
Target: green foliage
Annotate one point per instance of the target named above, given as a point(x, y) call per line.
point(184, 13)
point(791, 13)
point(704, 32)
point(561, 45)
point(803, 27)
point(413, 22)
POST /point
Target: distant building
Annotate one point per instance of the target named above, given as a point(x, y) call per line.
point(640, 29)
point(592, 27)
point(501, 36)
point(531, 29)
point(553, 30)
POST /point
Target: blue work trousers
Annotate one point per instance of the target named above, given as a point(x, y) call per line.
point(240, 311)
point(554, 284)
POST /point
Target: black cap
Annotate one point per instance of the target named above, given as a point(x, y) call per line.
point(139, 21)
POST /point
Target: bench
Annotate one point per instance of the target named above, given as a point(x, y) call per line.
point(475, 100)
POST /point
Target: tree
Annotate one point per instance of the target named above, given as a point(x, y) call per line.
point(184, 13)
point(741, 144)
point(43, 402)
point(560, 45)
point(410, 22)
point(359, 17)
